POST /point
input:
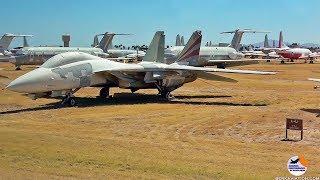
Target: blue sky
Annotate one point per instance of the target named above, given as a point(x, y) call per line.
point(48, 19)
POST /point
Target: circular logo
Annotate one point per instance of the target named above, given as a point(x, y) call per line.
point(297, 165)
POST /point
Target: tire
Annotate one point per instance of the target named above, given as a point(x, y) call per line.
point(104, 93)
point(221, 66)
point(168, 96)
point(72, 102)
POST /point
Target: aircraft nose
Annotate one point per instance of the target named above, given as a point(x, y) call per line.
point(31, 82)
point(14, 86)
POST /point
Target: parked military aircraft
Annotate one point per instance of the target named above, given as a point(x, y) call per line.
point(214, 55)
point(66, 73)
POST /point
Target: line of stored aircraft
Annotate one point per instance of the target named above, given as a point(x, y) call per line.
point(65, 70)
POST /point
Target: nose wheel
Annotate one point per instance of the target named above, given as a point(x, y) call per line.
point(68, 101)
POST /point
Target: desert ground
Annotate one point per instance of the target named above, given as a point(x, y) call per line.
point(211, 130)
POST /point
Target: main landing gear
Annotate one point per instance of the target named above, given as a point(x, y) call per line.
point(104, 93)
point(18, 68)
point(164, 93)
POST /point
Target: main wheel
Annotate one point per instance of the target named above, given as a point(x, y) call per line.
point(221, 66)
point(168, 96)
point(18, 68)
point(104, 92)
point(282, 61)
point(72, 102)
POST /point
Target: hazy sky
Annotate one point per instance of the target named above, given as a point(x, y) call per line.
point(48, 19)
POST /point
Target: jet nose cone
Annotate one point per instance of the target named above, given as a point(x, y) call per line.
point(18, 85)
point(31, 82)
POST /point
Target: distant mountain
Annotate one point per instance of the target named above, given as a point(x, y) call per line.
point(310, 45)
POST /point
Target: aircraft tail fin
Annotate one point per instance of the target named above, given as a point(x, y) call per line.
point(155, 52)
point(281, 43)
point(238, 33)
point(95, 41)
point(266, 41)
point(190, 53)
point(7, 38)
point(25, 42)
point(280, 39)
point(178, 40)
point(106, 40)
point(182, 41)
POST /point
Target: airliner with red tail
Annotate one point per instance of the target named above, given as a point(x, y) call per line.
point(294, 53)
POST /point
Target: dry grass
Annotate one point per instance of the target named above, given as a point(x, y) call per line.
point(213, 130)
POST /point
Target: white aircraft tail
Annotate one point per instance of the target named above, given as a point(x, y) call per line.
point(190, 53)
point(238, 33)
point(7, 38)
point(155, 52)
point(106, 40)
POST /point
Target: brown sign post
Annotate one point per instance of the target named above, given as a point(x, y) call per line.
point(294, 124)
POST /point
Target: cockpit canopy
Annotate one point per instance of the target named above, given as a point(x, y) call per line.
point(67, 58)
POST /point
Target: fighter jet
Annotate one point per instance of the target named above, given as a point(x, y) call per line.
point(214, 55)
point(66, 73)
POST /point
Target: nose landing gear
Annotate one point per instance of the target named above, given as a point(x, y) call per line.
point(164, 93)
point(69, 99)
